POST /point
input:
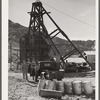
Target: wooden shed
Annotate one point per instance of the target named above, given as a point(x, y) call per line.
point(90, 55)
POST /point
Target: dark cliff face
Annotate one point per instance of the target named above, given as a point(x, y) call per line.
point(16, 31)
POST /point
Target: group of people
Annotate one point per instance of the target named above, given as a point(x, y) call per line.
point(26, 69)
point(34, 70)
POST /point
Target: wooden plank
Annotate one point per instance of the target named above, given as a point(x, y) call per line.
point(50, 93)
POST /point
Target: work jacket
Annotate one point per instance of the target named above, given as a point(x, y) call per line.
point(24, 68)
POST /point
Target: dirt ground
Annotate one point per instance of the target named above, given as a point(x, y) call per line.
point(19, 89)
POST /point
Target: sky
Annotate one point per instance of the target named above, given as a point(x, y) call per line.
point(75, 17)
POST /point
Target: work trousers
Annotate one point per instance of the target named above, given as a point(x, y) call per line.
point(25, 76)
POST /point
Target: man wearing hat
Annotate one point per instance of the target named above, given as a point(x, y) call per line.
point(25, 70)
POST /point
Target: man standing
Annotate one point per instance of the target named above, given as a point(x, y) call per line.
point(25, 70)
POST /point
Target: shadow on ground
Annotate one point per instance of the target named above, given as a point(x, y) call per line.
point(80, 74)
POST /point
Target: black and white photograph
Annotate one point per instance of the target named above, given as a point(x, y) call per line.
point(51, 50)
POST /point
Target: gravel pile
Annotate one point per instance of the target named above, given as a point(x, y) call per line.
point(19, 89)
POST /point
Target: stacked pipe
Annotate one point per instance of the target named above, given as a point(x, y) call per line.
point(60, 88)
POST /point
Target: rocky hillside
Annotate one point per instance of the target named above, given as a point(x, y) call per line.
point(65, 46)
point(16, 31)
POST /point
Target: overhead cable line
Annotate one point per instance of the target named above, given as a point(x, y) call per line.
point(70, 16)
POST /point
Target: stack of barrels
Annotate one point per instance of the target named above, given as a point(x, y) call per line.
point(59, 88)
point(79, 87)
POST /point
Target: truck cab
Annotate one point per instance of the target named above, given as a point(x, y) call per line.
point(51, 70)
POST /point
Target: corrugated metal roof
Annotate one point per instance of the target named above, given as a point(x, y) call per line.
point(76, 60)
point(90, 52)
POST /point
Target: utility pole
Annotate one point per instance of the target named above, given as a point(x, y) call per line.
point(10, 55)
point(17, 59)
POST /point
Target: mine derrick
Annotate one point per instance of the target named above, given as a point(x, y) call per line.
point(38, 43)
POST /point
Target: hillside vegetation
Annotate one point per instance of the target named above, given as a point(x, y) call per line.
point(16, 31)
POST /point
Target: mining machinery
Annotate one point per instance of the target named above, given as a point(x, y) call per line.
point(39, 42)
